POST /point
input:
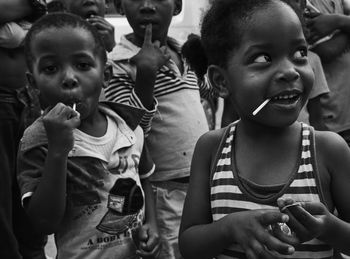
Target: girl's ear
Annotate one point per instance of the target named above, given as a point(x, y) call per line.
point(218, 81)
point(178, 7)
point(107, 75)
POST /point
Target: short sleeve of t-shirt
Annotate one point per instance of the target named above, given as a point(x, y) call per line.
point(30, 165)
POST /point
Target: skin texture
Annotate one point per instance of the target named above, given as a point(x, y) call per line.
point(271, 60)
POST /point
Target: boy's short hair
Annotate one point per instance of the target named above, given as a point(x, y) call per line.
point(60, 20)
point(119, 9)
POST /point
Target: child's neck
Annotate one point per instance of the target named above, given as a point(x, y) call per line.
point(95, 125)
point(274, 151)
point(254, 131)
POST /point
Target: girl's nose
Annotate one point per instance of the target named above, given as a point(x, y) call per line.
point(287, 72)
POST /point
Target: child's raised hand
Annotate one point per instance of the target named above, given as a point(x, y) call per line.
point(320, 25)
point(105, 30)
point(251, 229)
point(149, 242)
point(59, 123)
point(307, 220)
point(151, 55)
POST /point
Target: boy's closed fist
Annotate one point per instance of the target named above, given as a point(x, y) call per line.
point(59, 123)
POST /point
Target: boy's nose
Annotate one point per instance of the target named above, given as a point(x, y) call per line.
point(148, 6)
point(69, 80)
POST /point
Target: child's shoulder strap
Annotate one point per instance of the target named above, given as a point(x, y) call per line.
point(229, 130)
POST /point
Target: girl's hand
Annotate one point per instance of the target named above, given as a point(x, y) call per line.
point(151, 55)
point(59, 123)
point(252, 231)
point(149, 241)
point(308, 220)
point(105, 30)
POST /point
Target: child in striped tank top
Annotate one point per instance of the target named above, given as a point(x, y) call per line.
point(265, 186)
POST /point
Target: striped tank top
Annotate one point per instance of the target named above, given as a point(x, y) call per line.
point(231, 193)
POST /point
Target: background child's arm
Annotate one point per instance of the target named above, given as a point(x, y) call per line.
point(315, 113)
point(148, 234)
point(46, 206)
point(319, 89)
point(200, 237)
point(321, 25)
point(150, 58)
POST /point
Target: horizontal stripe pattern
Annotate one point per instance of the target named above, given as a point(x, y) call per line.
point(227, 197)
point(121, 89)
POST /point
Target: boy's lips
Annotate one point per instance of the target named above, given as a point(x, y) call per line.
point(89, 13)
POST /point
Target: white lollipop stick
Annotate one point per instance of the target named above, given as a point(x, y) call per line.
point(255, 112)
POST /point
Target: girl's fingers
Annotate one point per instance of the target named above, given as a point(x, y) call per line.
point(274, 244)
point(290, 239)
point(250, 254)
point(260, 251)
point(272, 217)
point(306, 218)
point(296, 226)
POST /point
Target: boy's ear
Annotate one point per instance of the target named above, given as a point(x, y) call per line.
point(107, 75)
point(218, 81)
point(178, 7)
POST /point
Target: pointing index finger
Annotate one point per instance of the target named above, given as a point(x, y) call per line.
point(148, 34)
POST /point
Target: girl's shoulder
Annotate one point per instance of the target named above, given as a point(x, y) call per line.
point(209, 144)
point(328, 142)
point(331, 150)
point(214, 137)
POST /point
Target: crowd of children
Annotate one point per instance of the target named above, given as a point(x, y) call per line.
point(117, 159)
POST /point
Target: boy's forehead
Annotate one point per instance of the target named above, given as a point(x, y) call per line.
point(118, 2)
point(80, 2)
point(53, 38)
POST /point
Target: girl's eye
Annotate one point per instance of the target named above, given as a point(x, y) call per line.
point(300, 54)
point(262, 59)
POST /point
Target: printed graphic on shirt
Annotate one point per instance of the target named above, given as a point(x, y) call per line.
point(110, 201)
point(125, 201)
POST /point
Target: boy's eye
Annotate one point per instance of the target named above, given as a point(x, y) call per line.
point(263, 58)
point(50, 69)
point(84, 66)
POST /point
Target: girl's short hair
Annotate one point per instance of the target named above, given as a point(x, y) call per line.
point(223, 26)
point(59, 20)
